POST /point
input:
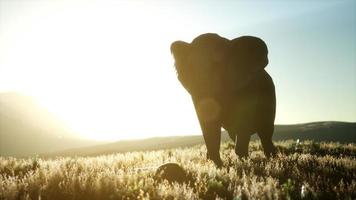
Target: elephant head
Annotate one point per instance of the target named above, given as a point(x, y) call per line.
point(200, 64)
point(212, 64)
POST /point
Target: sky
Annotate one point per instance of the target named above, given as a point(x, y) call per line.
point(105, 68)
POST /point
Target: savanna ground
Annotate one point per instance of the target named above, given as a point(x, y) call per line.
point(302, 170)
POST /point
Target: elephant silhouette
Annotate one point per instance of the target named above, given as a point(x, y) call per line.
point(230, 89)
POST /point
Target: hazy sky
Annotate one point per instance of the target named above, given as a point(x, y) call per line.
point(104, 67)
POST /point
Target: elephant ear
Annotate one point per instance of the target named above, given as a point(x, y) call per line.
point(180, 51)
point(250, 53)
point(248, 56)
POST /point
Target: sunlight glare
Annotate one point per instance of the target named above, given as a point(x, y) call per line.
point(109, 76)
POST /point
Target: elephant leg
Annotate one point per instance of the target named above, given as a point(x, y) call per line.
point(241, 144)
point(212, 135)
point(211, 128)
point(266, 140)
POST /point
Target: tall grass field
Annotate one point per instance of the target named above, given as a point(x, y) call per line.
point(302, 170)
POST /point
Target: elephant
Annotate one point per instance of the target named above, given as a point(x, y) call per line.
point(230, 89)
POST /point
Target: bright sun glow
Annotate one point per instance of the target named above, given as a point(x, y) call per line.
point(104, 69)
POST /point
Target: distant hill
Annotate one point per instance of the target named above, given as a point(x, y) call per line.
point(343, 132)
point(26, 128)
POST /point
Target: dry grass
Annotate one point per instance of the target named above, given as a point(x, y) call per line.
point(304, 170)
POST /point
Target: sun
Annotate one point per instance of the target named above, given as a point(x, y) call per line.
point(108, 76)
